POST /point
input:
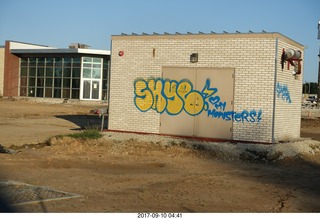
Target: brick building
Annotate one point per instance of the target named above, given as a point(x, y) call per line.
point(220, 86)
point(39, 71)
point(1, 69)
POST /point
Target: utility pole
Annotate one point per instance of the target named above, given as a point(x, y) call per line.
point(318, 93)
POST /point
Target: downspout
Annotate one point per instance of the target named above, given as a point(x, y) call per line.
point(274, 91)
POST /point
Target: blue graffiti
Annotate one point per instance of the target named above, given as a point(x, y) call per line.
point(283, 92)
point(172, 97)
point(244, 116)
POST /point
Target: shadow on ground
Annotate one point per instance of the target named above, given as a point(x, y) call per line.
point(85, 121)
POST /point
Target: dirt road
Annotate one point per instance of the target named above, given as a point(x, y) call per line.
point(129, 175)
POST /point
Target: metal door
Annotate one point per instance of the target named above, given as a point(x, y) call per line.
point(204, 92)
point(175, 120)
point(213, 122)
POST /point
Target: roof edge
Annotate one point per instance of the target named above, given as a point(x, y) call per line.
point(201, 35)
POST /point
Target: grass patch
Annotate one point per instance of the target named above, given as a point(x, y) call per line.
point(87, 134)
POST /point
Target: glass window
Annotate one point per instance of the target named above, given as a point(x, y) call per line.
point(86, 73)
point(96, 65)
point(48, 92)
point(58, 72)
point(41, 61)
point(87, 65)
point(86, 89)
point(76, 62)
point(31, 91)
point(104, 94)
point(57, 93)
point(40, 72)
point(32, 71)
point(23, 91)
point(57, 82)
point(32, 61)
point(39, 92)
point(24, 71)
point(24, 61)
point(67, 62)
point(96, 73)
point(49, 72)
point(49, 62)
point(67, 72)
point(66, 93)
point(87, 59)
point(32, 82)
point(40, 82)
point(58, 62)
point(105, 63)
point(75, 94)
point(66, 82)
point(75, 83)
point(76, 72)
point(104, 84)
point(49, 82)
point(96, 60)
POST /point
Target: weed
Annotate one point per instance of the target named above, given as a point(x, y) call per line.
point(173, 143)
point(87, 134)
point(199, 147)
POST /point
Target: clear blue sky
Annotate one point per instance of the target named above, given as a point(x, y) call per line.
point(61, 22)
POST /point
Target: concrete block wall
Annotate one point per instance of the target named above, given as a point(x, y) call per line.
point(251, 55)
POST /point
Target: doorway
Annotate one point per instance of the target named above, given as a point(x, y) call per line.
point(91, 78)
point(208, 90)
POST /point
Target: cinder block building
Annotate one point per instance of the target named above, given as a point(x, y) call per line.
point(242, 86)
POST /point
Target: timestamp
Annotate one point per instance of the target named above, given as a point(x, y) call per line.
point(159, 215)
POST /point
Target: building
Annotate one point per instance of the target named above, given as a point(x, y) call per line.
point(1, 69)
point(241, 86)
point(39, 71)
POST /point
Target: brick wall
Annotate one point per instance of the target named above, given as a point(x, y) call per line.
point(1, 69)
point(251, 55)
point(11, 73)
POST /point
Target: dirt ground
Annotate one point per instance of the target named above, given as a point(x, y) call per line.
point(137, 176)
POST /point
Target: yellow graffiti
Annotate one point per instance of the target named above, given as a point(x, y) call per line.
point(167, 95)
point(194, 103)
point(159, 102)
point(143, 96)
point(174, 102)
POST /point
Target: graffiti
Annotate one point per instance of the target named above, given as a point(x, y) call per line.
point(173, 97)
point(283, 92)
point(244, 116)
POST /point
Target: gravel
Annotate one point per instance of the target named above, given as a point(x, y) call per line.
point(227, 150)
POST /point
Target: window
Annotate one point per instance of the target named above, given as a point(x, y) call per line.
point(91, 67)
point(51, 77)
point(60, 77)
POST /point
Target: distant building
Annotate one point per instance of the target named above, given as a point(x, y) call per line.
point(76, 72)
point(1, 69)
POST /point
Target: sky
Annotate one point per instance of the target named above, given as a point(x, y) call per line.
point(61, 22)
